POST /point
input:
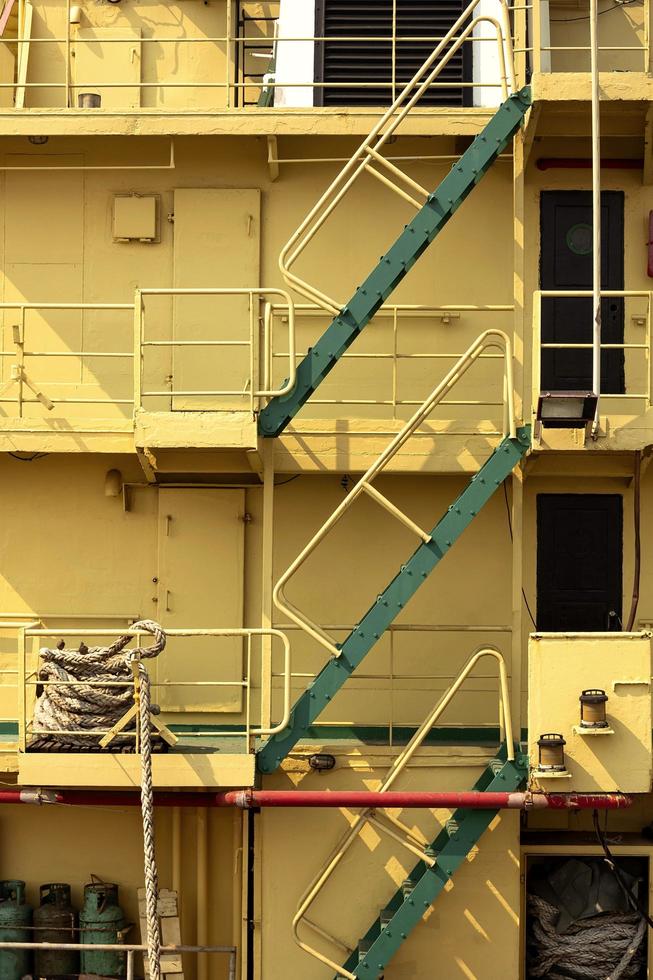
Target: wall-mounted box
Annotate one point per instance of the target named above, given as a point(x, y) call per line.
point(136, 218)
point(563, 665)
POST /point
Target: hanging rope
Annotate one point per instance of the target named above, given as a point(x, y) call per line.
point(607, 946)
point(67, 707)
point(147, 811)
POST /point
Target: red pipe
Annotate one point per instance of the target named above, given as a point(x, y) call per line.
point(247, 799)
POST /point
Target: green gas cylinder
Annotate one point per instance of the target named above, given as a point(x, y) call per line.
point(55, 920)
point(15, 916)
point(101, 920)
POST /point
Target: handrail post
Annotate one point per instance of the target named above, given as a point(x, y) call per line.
point(138, 349)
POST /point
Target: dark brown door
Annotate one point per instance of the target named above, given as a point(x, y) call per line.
point(579, 560)
point(566, 263)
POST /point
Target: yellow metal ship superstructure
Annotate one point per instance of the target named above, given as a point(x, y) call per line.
point(221, 410)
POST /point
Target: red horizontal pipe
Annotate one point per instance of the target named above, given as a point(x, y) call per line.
point(247, 799)
point(585, 163)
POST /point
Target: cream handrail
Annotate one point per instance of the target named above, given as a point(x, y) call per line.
point(490, 338)
point(28, 678)
point(261, 293)
point(368, 816)
point(538, 346)
point(369, 150)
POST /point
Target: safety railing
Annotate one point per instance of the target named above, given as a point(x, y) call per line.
point(398, 693)
point(636, 353)
point(28, 376)
point(247, 683)
point(407, 345)
point(489, 339)
point(130, 952)
point(252, 320)
point(386, 823)
point(231, 58)
point(368, 158)
point(560, 37)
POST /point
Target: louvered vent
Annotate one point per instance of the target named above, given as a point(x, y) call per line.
point(345, 62)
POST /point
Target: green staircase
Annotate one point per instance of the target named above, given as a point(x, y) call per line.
point(407, 906)
point(393, 266)
point(393, 599)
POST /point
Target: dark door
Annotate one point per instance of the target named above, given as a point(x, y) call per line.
point(579, 556)
point(566, 263)
point(342, 61)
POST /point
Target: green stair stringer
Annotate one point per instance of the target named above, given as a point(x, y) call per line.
point(407, 907)
point(392, 600)
point(394, 265)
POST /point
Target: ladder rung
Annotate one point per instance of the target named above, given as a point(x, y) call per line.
point(394, 510)
point(393, 187)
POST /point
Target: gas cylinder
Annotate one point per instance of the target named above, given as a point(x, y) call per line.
point(101, 919)
point(55, 920)
point(15, 915)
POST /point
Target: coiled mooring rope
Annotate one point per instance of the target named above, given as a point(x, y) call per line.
point(72, 707)
point(609, 946)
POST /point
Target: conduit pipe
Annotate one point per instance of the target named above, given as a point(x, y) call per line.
point(596, 209)
point(249, 799)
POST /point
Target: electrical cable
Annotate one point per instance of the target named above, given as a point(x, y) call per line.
point(616, 871)
point(573, 20)
point(505, 497)
point(28, 459)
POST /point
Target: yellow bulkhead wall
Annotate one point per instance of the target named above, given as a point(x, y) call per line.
point(70, 844)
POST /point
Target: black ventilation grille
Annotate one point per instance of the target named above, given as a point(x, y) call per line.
point(371, 61)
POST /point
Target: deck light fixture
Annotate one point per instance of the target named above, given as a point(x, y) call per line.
point(566, 409)
point(322, 762)
point(592, 708)
point(551, 753)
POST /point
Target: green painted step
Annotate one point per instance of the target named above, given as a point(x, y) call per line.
point(407, 906)
point(393, 266)
point(392, 600)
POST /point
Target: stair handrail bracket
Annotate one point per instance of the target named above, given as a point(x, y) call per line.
point(391, 825)
point(368, 154)
point(488, 339)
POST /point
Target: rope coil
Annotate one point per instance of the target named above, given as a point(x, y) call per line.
point(609, 945)
point(73, 706)
point(67, 706)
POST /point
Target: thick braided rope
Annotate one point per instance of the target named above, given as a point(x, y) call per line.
point(607, 945)
point(149, 852)
point(89, 707)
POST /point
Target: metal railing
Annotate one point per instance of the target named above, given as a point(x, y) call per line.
point(395, 352)
point(258, 319)
point(246, 683)
point(19, 386)
point(389, 825)
point(560, 39)
point(227, 61)
point(491, 338)
point(399, 693)
point(368, 158)
point(638, 320)
point(129, 951)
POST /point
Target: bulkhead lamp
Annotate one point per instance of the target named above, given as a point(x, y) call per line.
point(592, 708)
point(551, 752)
